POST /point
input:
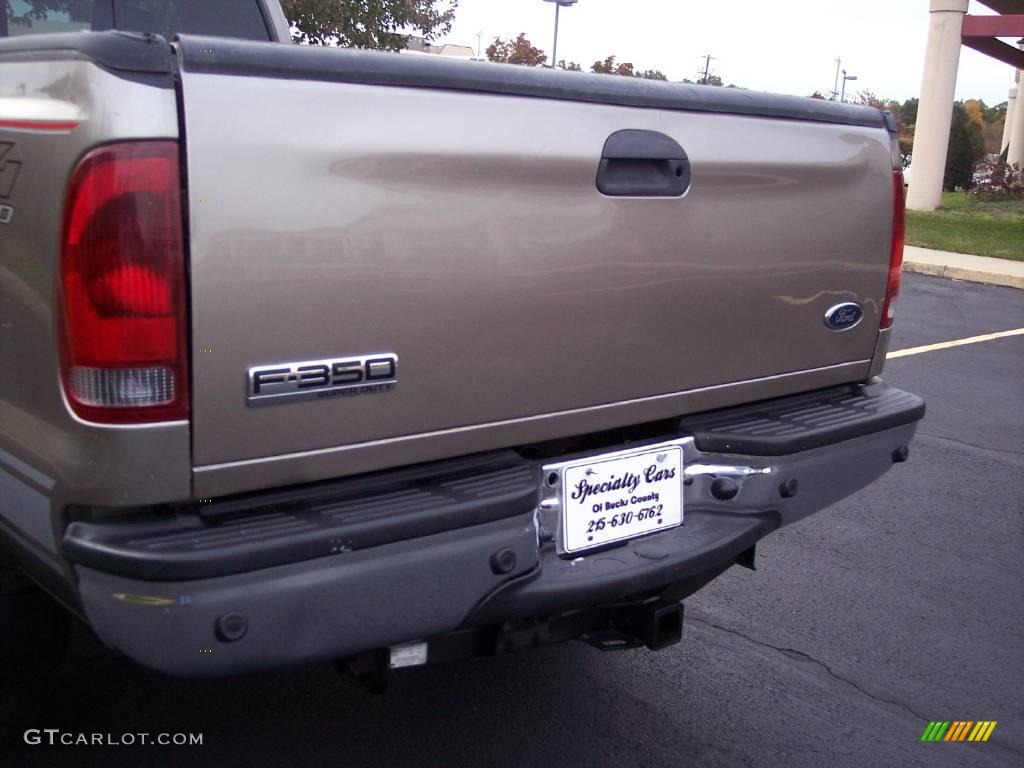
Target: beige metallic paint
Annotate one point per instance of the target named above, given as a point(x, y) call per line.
point(464, 232)
point(89, 464)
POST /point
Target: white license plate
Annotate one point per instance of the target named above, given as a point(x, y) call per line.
point(615, 498)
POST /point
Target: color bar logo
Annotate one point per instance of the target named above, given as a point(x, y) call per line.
point(958, 730)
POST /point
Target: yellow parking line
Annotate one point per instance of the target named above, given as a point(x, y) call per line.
point(957, 343)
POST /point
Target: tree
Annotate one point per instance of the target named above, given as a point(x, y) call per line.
point(990, 121)
point(907, 120)
point(571, 66)
point(714, 80)
point(993, 134)
point(610, 67)
point(909, 112)
point(966, 148)
point(519, 51)
point(975, 110)
point(817, 95)
point(906, 139)
point(367, 23)
point(32, 11)
point(868, 98)
point(905, 131)
point(652, 74)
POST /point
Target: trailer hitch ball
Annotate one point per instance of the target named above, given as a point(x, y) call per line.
point(725, 489)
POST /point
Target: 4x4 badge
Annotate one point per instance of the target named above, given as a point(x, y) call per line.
point(9, 169)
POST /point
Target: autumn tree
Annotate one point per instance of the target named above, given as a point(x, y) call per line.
point(367, 23)
point(519, 51)
point(610, 67)
point(975, 110)
point(904, 131)
point(867, 98)
point(971, 135)
point(990, 120)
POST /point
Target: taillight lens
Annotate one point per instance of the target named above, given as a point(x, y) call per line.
point(892, 288)
point(123, 306)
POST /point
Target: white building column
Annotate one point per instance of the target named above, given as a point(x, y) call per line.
point(1015, 152)
point(1011, 106)
point(1015, 145)
point(935, 112)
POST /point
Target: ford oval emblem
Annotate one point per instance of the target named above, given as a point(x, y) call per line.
point(843, 317)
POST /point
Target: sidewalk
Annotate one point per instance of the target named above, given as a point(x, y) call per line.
point(962, 266)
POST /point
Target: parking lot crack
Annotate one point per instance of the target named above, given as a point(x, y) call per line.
point(965, 444)
point(794, 653)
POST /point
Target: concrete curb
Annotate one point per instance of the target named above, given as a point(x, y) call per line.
point(962, 273)
point(964, 266)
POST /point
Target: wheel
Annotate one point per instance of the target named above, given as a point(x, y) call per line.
point(34, 632)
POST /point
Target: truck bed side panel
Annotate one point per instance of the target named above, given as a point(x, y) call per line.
point(55, 105)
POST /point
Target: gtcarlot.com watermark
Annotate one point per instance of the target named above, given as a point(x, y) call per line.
point(55, 737)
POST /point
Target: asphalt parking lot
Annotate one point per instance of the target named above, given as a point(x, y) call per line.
point(898, 606)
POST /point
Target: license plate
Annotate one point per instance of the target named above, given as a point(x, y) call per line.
point(608, 499)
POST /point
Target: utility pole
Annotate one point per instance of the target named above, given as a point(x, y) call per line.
point(708, 58)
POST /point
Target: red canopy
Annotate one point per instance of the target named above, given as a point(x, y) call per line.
point(982, 33)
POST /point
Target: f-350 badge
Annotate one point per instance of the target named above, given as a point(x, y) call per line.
point(320, 379)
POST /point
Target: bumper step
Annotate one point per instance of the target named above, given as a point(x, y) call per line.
point(800, 423)
point(247, 534)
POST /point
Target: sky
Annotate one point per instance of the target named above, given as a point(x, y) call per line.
point(784, 46)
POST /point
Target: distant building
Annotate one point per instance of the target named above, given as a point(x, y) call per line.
point(417, 45)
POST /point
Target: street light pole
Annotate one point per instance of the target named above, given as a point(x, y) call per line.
point(558, 10)
point(554, 46)
point(845, 78)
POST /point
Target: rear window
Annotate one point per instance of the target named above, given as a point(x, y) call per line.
point(225, 18)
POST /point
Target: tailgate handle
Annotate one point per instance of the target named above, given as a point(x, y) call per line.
point(643, 164)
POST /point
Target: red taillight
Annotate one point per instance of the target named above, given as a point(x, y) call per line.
point(123, 337)
point(892, 288)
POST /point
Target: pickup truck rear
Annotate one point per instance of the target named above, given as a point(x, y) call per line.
point(315, 354)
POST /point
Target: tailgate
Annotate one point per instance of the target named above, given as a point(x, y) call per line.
point(335, 220)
